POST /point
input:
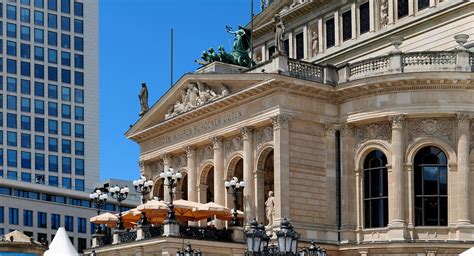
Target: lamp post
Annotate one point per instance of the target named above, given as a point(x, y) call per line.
point(236, 186)
point(98, 198)
point(188, 251)
point(256, 239)
point(313, 250)
point(143, 186)
point(173, 178)
point(120, 194)
point(287, 238)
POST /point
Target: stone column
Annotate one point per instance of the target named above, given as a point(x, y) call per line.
point(219, 189)
point(372, 14)
point(348, 188)
point(330, 139)
point(336, 28)
point(464, 121)
point(260, 195)
point(391, 12)
point(396, 205)
point(167, 160)
point(354, 20)
point(281, 140)
point(192, 173)
point(249, 193)
point(202, 193)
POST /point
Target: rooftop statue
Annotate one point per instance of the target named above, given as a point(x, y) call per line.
point(143, 97)
point(240, 54)
point(279, 32)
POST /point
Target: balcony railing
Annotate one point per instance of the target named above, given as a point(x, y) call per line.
point(373, 65)
point(305, 70)
point(206, 233)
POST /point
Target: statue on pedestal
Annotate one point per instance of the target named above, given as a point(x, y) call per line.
point(143, 97)
point(270, 210)
point(279, 33)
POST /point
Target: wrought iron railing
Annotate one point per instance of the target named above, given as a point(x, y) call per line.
point(104, 240)
point(206, 233)
point(369, 66)
point(128, 237)
point(305, 70)
point(150, 232)
point(428, 59)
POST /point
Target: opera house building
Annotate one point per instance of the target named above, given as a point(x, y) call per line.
point(354, 122)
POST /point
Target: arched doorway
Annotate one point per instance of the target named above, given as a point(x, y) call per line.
point(235, 169)
point(181, 191)
point(210, 185)
point(158, 189)
point(264, 181)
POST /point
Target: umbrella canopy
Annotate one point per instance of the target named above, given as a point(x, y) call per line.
point(105, 218)
point(61, 245)
point(210, 210)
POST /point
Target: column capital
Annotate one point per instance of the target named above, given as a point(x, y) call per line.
point(347, 129)
point(397, 121)
point(463, 117)
point(216, 142)
point(330, 130)
point(190, 151)
point(166, 158)
point(246, 132)
point(141, 164)
point(281, 121)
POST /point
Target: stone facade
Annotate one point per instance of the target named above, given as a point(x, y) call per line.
point(303, 130)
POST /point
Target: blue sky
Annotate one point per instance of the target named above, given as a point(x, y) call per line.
point(135, 47)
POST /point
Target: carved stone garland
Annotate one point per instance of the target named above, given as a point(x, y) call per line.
point(180, 161)
point(263, 136)
point(440, 128)
point(380, 131)
point(197, 94)
point(232, 145)
point(205, 153)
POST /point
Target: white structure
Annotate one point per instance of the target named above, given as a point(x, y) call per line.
point(61, 245)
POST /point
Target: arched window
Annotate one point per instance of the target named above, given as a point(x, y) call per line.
point(431, 187)
point(375, 190)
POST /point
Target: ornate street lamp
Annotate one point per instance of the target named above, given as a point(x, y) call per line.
point(98, 198)
point(236, 186)
point(287, 238)
point(143, 186)
point(173, 178)
point(256, 239)
point(188, 251)
point(120, 194)
point(312, 250)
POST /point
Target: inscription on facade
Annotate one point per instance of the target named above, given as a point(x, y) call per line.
point(196, 129)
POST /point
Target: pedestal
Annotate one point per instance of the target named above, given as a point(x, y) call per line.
point(140, 233)
point(171, 229)
point(237, 234)
point(116, 237)
point(96, 240)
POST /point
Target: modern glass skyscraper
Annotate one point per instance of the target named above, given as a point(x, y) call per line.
point(49, 114)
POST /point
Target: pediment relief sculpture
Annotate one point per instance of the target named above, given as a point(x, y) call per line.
point(441, 128)
point(195, 95)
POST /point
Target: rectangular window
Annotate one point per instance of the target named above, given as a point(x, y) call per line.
point(53, 163)
point(66, 165)
point(39, 4)
point(65, 6)
point(11, 30)
point(66, 128)
point(25, 87)
point(79, 185)
point(11, 139)
point(25, 33)
point(39, 162)
point(79, 148)
point(11, 102)
point(11, 155)
point(52, 38)
point(55, 221)
point(65, 23)
point(52, 109)
point(2, 217)
point(52, 5)
point(26, 160)
point(26, 141)
point(79, 166)
point(69, 223)
point(78, 26)
point(67, 183)
point(12, 175)
point(25, 15)
point(65, 93)
point(11, 66)
point(52, 144)
point(79, 58)
point(42, 220)
point(423, 4)
point(65, 41)
point(11, 12)
point(330, 33)
point(65, 111)
point(53, 181)
point(11, 48)
point(39, 89)
point(39, 107)
point(81, 225)
point(11, 84)
point(39, 179)
point(39, 142)
point(79, 113)
point(346, 25)
point(79, 130)
point(402, 8)
point(26, 177)
point(66, 146)
point(66, 76)
point(78, 78)
point(25, 69)
point(39, 18)
point(27, 218)
point(364, 18)
point(52, 56)
point(39, 35)
point(79, 44)
point(25, 51)
point(52, 20)
point(78, 9)
point(66, 58)
point(11, 120)
point(13, 216)
point(52, 73)
point(39, 53)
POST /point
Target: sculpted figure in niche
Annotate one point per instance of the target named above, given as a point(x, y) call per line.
point(279, 32)
point(314, 42)
point(383, 13)
point(270, 209)
point(143, 97)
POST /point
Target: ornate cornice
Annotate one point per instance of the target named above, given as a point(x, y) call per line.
point(281, 121)
point(397, 121)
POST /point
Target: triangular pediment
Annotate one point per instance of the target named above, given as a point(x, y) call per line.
point(193, 92)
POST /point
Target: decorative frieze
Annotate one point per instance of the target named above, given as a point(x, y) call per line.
point(232, 145)
point(347, 130)
point(205, 153)
point(263, 136)
point(380, 131)
point(180, 161)
point(440, 128)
